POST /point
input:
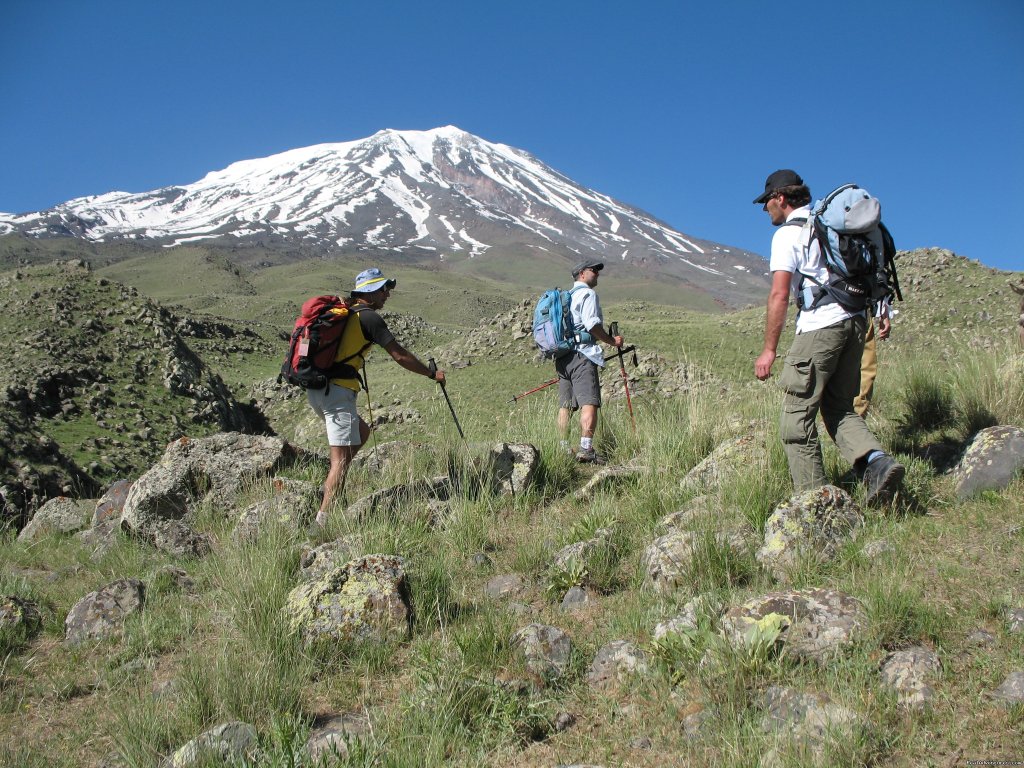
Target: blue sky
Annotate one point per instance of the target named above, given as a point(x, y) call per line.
point(677, 107)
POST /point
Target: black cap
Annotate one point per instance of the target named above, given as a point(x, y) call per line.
point(597, 266)
point(778, 180)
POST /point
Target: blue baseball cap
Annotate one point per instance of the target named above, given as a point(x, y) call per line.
point(372, 279)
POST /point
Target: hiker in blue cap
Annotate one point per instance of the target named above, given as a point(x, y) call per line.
point(578, 384)
point(336, 404)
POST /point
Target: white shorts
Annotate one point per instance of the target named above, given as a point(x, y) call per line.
point(336, 405)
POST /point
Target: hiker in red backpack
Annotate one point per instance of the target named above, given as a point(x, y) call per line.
point(336, 403)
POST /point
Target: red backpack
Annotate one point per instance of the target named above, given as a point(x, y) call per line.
point(310, 362)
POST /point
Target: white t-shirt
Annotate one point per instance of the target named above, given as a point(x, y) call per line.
point(585, 308)
point(791, 253)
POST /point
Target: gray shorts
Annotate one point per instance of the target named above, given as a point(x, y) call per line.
point(578, 383)
point(337, 407)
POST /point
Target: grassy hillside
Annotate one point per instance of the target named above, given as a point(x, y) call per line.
point(456, 691)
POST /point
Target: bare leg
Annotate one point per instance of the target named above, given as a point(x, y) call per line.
point(563, 422)
point(588, 420)
point(341, 458)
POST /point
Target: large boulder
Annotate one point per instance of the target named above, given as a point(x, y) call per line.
point(810, 721)
point(817, 623)
point(813, 524)
point(101, 613)
point(316, 562)
point(365, 601)
point(512, 467)
point(388, 502)
point(59, 515)
point(994, 457)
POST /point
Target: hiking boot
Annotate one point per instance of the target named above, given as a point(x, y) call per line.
point(588, 456)
point(882, 477)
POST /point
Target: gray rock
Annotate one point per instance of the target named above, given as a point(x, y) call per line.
point(228, 742)
point(382, 457)
point(616, 663)
point(175, 537)
point(684, 519)
point(808, 718)
point(387, 502)
point(575, 598)
point(1011, 692)
point(365, 601)
point(504, 586)
point(316, 562)
point(992, 459)
point(822, 622)
point(101, 613)
point(909, 672)
point(813, 524)
point(605, 477)
point(332, 739)
point(291, 503)
point(177, 576)
point(698, 725)
point(58, 515)
point(110, 506)
point(581, 551)
point(547, 649)
point(667, 561)
point(689, 618)
point(727, 460)
point(513, 466)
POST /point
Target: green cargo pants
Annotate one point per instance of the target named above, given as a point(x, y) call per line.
point(822, 372)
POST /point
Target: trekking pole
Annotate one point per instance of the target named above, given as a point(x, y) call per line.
point(535, 389)
point(613, 330)
point(433, 369)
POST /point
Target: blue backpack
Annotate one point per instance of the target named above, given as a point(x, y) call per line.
point(553, 329)
point(857, 248)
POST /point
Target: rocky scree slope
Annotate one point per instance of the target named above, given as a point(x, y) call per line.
point(97, 379)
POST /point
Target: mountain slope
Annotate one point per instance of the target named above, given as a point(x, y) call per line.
point(442, 196)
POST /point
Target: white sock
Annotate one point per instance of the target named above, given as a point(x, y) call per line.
point(586, 443)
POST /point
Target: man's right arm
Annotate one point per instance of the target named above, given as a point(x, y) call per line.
point(775, 321)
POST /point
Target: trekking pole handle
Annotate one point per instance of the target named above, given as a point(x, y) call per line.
point(613, 329)
point(432, 367)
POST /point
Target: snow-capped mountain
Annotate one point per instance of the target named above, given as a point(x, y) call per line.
point(442, 194)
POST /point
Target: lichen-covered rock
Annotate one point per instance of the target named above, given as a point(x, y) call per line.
point(727, 460)
point(291, 503)
point(383, 456)
point(813, 524)
point(809, 719)
point(19, 617)
point(101, 613)
point(164, 492)
point(332, 739)
point(228, 743)
point(994, 457)
point(59, 515)
point(1014, 620)
point(315, 562)
point(547, 649)
point(1011, 691)
point(908, 672)
point(822, 622)
point(876, 549)
point(683, 519)
point(668, 559)
point(617, 663)
point(365, 600)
